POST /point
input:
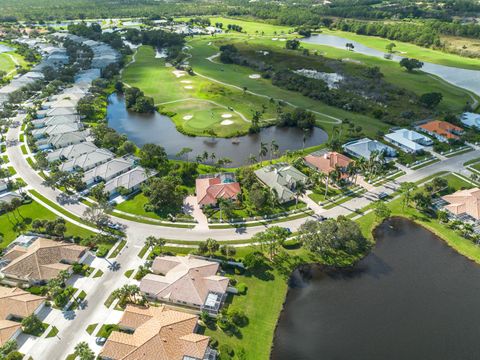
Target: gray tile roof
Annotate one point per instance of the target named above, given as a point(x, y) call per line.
point(88, 161)
point(282, 178)
point(72, 151)
point(109, 170)
point(129, 180)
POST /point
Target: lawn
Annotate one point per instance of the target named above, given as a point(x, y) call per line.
point(262, 305)
point(117, 250)
point(411, 50)
point(170, 89)
point(15, 223)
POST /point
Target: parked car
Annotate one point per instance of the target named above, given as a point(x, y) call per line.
point(100, 340)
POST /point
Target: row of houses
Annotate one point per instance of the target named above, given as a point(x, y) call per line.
point(58, 131)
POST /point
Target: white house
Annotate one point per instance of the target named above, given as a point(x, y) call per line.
point(408, 140)
point(470, 119)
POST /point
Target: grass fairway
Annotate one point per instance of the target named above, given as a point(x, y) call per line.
point(9, 61)
point(197, 105)
point(250, 27)
point(14, 223)
point(411, 50)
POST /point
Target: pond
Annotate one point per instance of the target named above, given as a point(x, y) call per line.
point(413, 297)
point(159, 129)
point(464, 78)
point(5, 48)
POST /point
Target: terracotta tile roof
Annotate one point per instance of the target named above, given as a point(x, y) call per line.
point(210, 189)
point(442, 128)
point(7, 329)
point(42, 260)
point(464, 202)
point(161, 334)
point(184, 279)
point(15, 302)
point(327, 162)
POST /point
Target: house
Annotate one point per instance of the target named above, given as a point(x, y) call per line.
point(60, 103)
point(364, 148)
point(471, 120)
point(328, 162)
point(131, 181)
point(16, 304)
point(282, 179)
point(157, 333)
point(186, 280)
point(210, 188)
point(63, 140)
point(56, 130)
point(464, 202)
point(55, 120)
point(72, 151)
point(108, 171)
point(56, 112)
point(441, 130)
point(409, 140)
point(40, 260)
point(7, 197)
point(87, 161)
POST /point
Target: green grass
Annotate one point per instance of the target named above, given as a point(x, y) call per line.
point(53, 332)
point(12, 170)
point(143, 251)
point(470, 162)
point(90, 328)
point(129, 273)
point(152, 222)
point(459, 153)
point(24, 149)
point(117, 250)
point(410, 50)
point(98, 274)
point(262, 305)
point(107, 329)
point(13, 224)
point(109, 300)
point(22, 138)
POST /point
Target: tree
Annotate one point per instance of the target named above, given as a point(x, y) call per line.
point(431, 99)
point(83, 351)
point(422, 200)
point(382, 211)
point(32, 325)
point(226, 207)
point(153, 242)
point(228, 250)
point(271, 240)
point(390, 47)
point(293, 44)
point(212, 246)
point(300, 190)
point(406, 189)
point(165, 194)
point(153, 156)
point(338, 242)
point(350, 46)
point(97, 214)
point(411, 64)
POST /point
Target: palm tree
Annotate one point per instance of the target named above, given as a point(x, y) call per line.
point(263, 150)
point(252, 159)
point(300, 190)
point(83, 351)
point(327, 179)
point(273, 149)
point(212, 246)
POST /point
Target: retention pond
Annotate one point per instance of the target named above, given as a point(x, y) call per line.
point(413, 297)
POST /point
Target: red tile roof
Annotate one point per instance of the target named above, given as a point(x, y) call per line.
point(442, 128)
point(327, 162)
point(209, 190)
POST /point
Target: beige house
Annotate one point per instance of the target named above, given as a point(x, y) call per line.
point(186, 280)
point(41, 260)
point(17, 304)
point(464, 202)
point(156, 333)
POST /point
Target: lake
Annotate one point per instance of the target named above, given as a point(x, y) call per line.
point(159, 129)
point(412, 298)
point(464, 78)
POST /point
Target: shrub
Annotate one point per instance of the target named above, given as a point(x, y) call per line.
point(102, 251)
point(15, 355)
point(226, 349)
point(242, 288)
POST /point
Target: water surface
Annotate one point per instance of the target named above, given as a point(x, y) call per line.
point(464, 78)
point(159, 129)
point(412, 298)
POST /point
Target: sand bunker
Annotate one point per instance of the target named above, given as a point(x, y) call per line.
point(254, 76)
point(188, 87)
point(186, 81)
point(226, 116)
point(187, 117)
point(274, 39)
point(282, 39)
point(179, 73)
point(226, 122)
